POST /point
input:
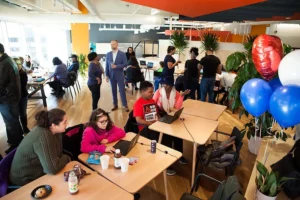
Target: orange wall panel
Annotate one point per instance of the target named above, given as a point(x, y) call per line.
point(258, 29)
point(237, 38)
point(80, 38)
point(82, 8)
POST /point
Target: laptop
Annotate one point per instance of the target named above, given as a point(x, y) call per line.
point(126, 146)
point(169, 119)
point(142, 62)
point(150, 65)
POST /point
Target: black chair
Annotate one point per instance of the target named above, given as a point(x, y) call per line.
point(133, 76)
point(72, 76)
point(220, 155)
point(227, 190)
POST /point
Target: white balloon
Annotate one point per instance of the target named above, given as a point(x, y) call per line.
point(289, 69)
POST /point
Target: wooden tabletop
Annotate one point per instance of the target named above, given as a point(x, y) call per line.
point(147, 168)
point(200, 128)
point(90, 187)
point(278, 151)
point(203, 109)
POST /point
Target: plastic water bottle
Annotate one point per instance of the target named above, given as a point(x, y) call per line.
point(73, 183)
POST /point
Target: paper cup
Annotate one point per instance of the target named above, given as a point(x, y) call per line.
point(104, 160)
point(124, 164)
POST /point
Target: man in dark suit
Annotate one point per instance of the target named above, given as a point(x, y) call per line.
point(116, 61)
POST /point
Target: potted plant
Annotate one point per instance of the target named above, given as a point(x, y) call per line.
point(268, 183)
point(210, 41)
point(178, 40)
point(242, 63)
point(83, 66)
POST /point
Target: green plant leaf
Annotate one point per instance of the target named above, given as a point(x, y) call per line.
point(261, 169)
point(178, 40)
point(259, 181)
point(273, 190)
point(264, 189)
point(271, 179)
point(210, 41)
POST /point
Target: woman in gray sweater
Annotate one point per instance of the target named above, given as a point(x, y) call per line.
point(41, 150)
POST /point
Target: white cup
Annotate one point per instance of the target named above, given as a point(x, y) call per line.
point(104, 160)
point(124, 164)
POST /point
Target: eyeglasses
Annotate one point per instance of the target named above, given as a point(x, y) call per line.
point(103, 122)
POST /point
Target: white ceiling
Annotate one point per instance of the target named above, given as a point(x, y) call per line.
point(66, 11)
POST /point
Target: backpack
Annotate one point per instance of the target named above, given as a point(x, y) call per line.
point(71, 140)
point(131, 124)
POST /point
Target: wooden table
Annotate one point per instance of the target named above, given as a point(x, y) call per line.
point(277, 152)
point(147, 168)
point(38, 86)
point(203, 109)
point(200, 128)
point(90, 187)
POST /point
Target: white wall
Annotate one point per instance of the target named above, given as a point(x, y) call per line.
point(225, 50)
point(288, 33)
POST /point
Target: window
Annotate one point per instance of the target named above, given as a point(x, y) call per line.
point(13, 40)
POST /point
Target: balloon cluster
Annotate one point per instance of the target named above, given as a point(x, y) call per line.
point(280, 96)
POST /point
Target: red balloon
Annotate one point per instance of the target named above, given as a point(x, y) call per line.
point(267, 53)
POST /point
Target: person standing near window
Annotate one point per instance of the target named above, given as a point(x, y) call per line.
point(211, 65)
point(192, 73)
point(10, 95)
point(24, 96)
point(169, 63)
point(94, 80)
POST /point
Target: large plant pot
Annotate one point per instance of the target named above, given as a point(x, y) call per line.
point(254, 145)
point(261, 196)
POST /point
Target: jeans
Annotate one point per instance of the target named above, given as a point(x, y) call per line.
point(191, 85)
point(23, 112)
point(157, 81)
point(207, 87)
point(167, 140)
point(10, 114)
point(95, 90)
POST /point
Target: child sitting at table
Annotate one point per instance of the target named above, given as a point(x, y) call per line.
point(158, 79)
point(99, 131)
point(146, 113)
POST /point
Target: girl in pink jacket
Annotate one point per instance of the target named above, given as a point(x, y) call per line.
point(100, 131)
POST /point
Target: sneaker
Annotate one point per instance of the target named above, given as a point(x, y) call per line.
point(126, 109)
point(183, 161)
point(12, 147)
point(171, 172)
point(114, 108)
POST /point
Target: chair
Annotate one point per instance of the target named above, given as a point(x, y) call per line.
point(220, 155)
point(77, 82)
point(227, 190)
point(133, 76)
point(72, 76)
point(5, 165)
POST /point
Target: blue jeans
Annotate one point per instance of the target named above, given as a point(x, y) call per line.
point(157, 81)
point(207, 87)
point(10, 114)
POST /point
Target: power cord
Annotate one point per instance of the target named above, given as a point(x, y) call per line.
point(163, 151)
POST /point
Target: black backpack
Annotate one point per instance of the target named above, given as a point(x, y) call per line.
point(289, 166)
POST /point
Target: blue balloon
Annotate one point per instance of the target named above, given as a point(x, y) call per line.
point(285, 105)
point(275, 83)
point(255, 96)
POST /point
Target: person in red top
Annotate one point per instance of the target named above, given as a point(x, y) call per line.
point(146, 113)
point(99, 131)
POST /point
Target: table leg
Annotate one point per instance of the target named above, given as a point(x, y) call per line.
point(194, 164)
point(160, 137)
point(43, 95)
point(166, 184)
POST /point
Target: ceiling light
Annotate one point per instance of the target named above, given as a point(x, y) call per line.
point(154, 11)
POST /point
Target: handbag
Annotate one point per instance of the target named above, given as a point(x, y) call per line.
point(289, 167)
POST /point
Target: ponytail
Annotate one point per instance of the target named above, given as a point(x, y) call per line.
point(46, 118)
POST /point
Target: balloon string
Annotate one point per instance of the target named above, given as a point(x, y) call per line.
point(256, 130)
point(271, 127)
